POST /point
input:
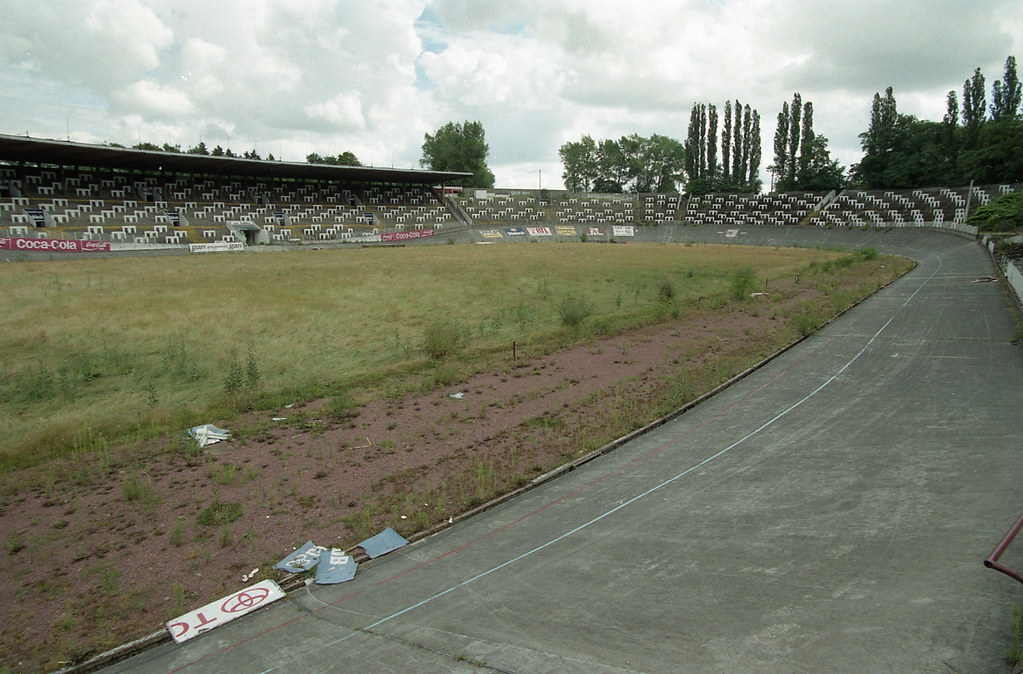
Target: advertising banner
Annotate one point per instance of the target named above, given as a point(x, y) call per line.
point(624, 230)
point(224, 610)
point(514, 231)
point(53, 245)
point(216, 247)
point(594, 231)
point(564, 230)
point(539, 231)
point(406, 236)
point(490, 234)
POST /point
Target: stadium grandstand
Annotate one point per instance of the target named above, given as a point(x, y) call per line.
point(57, 195)
point(54, 189)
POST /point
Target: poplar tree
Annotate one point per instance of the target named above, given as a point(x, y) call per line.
point(726, 143)
point(950, 125)
point(795, 127)
point(746, 143)
point(756, 152)
point(737, 142)
point(712, 141)
point(1006, 93)
point(692, 149)
point(974, 107)
point(806, 140)
point(703, 141)
point(781, 142)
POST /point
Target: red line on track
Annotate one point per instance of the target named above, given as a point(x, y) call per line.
point(653, 452)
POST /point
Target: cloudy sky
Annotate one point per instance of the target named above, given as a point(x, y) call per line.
point(290, 77)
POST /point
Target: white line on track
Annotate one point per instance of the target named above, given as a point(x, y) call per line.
point(644, 494)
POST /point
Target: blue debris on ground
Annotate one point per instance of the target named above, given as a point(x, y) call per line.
point(384, 542)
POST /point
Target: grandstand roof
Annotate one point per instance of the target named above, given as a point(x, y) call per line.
point(65, 153)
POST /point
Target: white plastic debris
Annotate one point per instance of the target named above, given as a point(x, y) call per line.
point(457, 396)
point(208, 434)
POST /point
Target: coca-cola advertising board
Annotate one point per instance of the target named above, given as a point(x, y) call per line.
point(405, 236)
point(52, 245)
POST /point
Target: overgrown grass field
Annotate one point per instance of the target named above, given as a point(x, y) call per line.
point(105, 351)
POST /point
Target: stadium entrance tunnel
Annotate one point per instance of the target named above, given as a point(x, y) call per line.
point(249, 233)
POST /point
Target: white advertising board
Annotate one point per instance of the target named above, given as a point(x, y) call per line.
point(224, 610)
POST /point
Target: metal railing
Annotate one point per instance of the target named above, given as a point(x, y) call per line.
point(992, 560)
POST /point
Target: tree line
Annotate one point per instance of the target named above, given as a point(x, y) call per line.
point(199, 148)
point(975, 142)
point(972, 142)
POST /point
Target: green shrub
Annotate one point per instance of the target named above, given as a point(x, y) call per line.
point(806, 324)
point(574, 310)
point(252, 374)
point(666, 290)
point(218, 514)
point(340, 405)
point(442, 338)
point(235, 376)
point(1014, 654)
point(1001, 215)
point(744, 282)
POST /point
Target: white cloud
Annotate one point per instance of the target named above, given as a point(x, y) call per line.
point(145, 97)
point(373, 77)
point(342, 111)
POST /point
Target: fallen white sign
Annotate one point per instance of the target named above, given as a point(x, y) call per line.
point(224, 610)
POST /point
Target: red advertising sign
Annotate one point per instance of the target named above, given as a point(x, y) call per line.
point(52, 245)
point(405, 236)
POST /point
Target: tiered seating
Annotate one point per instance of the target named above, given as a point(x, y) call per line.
point(741, 210)
point(938, 206)
point(401, 207)
point(662, 208)
point(596, 209)
point(507, 207)
point(179, 209)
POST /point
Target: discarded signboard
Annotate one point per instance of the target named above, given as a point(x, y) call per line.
point(302, 559)
point(384, 542)
point(224, 610)
point(335, 566)
point(207, 434)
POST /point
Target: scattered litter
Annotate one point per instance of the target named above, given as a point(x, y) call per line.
point(289, 406)
point(224, 610)
point(457, 396)
point(369, 443)
point(302, 559)
point(985, 279)
point(758, 294)
point(384, 542)
point(404, 517)
point(279, 418)
point(208, 434)
point(335, 567)
point(250, 574)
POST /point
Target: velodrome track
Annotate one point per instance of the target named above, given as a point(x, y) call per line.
point(830, 512)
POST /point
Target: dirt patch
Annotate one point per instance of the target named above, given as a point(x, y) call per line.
point(104, 547)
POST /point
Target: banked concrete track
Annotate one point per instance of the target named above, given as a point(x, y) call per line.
point(828, 513)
